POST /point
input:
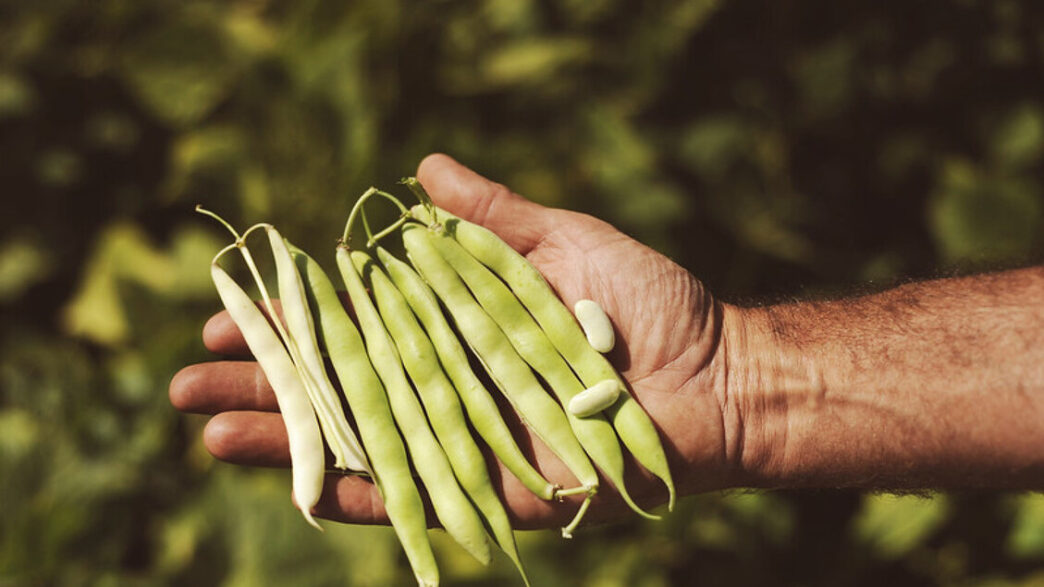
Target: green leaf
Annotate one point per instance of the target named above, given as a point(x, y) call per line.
point(16, 96)
point(124, 254)
point(893, 525)
point(713, 145)
point(23, 263)
point(1026, 539)
point(179, 71)
point(980, 218)
point(1019, 139)
point(530, 61)
point(95, 311)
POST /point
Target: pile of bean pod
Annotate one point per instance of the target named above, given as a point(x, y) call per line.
point(404, 373)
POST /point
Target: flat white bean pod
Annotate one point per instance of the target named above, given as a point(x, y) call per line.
point(302, 429)
point(596, 325)
point(594, 399)
point(304, 351)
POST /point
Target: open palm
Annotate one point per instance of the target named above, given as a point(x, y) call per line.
point(668, 335)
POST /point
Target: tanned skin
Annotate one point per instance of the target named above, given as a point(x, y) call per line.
point(938, 384)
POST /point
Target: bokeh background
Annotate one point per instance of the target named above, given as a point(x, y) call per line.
point(776, 148)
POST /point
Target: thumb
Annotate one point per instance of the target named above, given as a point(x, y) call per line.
point(464, 193)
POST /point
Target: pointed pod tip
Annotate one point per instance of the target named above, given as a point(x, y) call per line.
point(311, 520)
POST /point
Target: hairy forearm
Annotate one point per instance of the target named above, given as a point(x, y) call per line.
point(932, 384)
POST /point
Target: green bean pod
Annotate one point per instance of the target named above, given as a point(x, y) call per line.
point(440, 402)
point(482, 411)
point(302, 430)
point(595, 433)
point(348, 453)
point(451, 505)
point(509, 372)
point(369, 404)
point(631, 422)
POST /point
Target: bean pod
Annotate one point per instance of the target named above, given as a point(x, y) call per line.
point(454, 510)
point(541, 414)
point(302, 429)
point(304, 349)
point(440, 402)
point(365, 394)
point(595, 433)
point(631, 422)
point(482, 409)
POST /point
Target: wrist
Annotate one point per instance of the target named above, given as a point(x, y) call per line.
point(765, 382)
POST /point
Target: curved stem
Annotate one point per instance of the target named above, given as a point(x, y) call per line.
point(357, 211)
point(249, 259)
point(240, 243)
point(402, 208)
point(366, 226)
point(422, 195)
point(567, 532)
point(202, 210)
point(392, 228)
point(354, 213)
point(222, 252)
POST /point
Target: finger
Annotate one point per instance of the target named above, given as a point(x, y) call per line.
point(259, 439)
point(461, 191)
point(351, 499)
point(221, 335)
point(222, 386)
point(248, 438)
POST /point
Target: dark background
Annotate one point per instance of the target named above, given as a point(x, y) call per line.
point(777, 149)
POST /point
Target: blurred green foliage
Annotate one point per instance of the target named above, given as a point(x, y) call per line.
point(775, 148)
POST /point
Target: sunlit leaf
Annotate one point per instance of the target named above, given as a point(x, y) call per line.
point(20, 433)
point(772, 515)
point(976, 217)
point(1019, 139)
point(23, 263)
point(893, 525)
point(192, 278)
point(124, 254)
point(16, 96)
point(532, 60)
point(136, 259)
point(95, 311)
point(1026, 539)
point(713, 145)
point(179, 71)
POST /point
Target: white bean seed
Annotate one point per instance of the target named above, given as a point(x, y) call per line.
point(594, 399)
point(596, 325)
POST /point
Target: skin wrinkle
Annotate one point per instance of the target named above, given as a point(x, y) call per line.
point(890, 360)
point(731, 443)
point(872, 397)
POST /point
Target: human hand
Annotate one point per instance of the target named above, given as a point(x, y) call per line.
point(668, 339)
